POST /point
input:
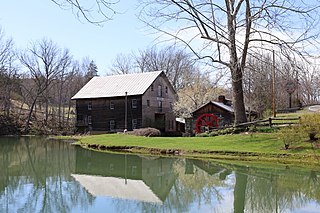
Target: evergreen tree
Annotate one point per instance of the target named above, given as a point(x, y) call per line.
point(92, 71)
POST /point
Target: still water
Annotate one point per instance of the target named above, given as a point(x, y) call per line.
point(41, 175)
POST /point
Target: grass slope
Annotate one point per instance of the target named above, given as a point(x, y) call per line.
point(258, 146)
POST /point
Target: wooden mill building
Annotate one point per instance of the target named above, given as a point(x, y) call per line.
point(129, 101)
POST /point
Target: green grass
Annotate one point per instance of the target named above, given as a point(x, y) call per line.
point(244, 143)
point(262, 147)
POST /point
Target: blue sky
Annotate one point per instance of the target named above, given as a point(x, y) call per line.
point(30, 21)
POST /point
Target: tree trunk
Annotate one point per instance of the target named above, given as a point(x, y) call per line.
point(46, 111)
point(238, 100)
point(26, 128)
point(235, 68)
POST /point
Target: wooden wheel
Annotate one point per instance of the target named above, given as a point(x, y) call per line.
point(206, 121)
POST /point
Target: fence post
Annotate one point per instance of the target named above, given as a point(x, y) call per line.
point(270, 122)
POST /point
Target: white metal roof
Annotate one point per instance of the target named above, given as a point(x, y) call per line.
point(117, 85)
point(219, 104)
point(117, 188)
point(223, 106)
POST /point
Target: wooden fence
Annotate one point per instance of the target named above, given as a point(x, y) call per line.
point(271, 122)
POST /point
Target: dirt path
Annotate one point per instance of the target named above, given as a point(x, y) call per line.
point(315, 108)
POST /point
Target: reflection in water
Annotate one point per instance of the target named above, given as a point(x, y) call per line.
point(124, 176)
point(38, 175)
point(35, 176)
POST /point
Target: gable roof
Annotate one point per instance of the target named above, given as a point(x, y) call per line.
point(115, 187)
point(218, 104)
point(223, 106)
point(117, 85)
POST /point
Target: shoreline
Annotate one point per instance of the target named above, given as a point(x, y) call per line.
point(106, 143)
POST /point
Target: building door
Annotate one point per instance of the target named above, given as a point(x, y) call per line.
point(160, 121)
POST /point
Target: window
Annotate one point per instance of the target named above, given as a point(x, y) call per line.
point(134, 123)
point(160, 106)
point(171, 124)
point(79, 117)
point(166, 89)
point(171, 105)
point(111, 105)
point(159, 91)
point(148, 103)
point(89, 119)
point(134, 103)
point(90, 105)
point(151, 87)
point(112, 125)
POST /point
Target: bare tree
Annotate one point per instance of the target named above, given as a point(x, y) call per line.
point(309, 81)
point(232, 30)
point(61, 84)
point(198, 91)
point(123, 64)
point(176, 63)
point(44, 61)
point(8, 72)
point(95, 12)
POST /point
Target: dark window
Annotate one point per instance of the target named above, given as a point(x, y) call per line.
point(111, 105)
point(166, 89)
point(80, 117)
point(134, 103)
point(159, 91)
point(148, 103)
point(160, 106)
point(151, 87)
point(89, 119)
point(134, 123)
point(112, 125)
point(171, 105)
point(171, 124)
point(90, 106)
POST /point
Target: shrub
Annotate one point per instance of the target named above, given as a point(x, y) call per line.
point(267, 129)
point(213, 133)
point(252, 128)
point(204, 134)
point(148, 132)
point(310, 125)
point(290, 135)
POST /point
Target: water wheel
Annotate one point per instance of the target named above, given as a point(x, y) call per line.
point(205, 122)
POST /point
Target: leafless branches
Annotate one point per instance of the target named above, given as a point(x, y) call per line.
point(44, 62)
point(233, 30)
point(95, 12)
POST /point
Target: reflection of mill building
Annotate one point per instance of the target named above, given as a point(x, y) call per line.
point(125, 176)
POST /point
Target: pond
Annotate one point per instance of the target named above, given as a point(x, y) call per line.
point(42, 175)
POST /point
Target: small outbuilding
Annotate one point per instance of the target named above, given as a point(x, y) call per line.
point(212, 115)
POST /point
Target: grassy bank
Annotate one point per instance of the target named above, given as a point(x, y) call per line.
point(258, 146)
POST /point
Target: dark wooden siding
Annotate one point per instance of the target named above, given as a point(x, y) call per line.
point(225, 116)
point(211, 108)
point(152, 113)
point(101, 114)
